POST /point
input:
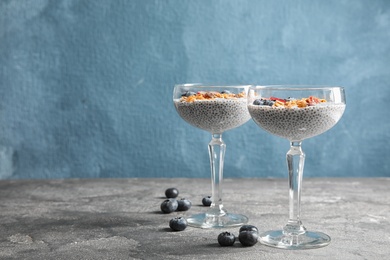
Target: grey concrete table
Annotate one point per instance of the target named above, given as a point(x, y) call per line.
point(121, 218)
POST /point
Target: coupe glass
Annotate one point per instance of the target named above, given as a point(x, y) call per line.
point(215, 109)
point(295, 113)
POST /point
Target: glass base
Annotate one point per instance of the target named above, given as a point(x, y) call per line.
point(307, 240)
point(205, 220)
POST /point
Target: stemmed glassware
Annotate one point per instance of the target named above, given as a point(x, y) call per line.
point(215, 109)
point(295, 113)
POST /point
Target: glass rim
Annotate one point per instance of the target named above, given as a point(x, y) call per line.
point(296, 87)
point(211, 85)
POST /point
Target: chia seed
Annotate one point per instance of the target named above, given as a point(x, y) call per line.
point(297, 124)
point(216, 115)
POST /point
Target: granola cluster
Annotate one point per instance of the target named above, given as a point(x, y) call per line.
point(289, 102)
point(209, 95)
point(304, 102)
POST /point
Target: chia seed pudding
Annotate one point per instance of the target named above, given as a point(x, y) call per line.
point(214, 115)
point(297, 124)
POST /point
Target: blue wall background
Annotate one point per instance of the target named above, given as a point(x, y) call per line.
point(86, 86)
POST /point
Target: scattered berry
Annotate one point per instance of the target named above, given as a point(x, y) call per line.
point(171, 193)
point(226, 239)
point(225, 92)
point(169, 205)
point(248, 238)
point(184, 204)
point(206, 201)
point(178, 224)
point(248, 228)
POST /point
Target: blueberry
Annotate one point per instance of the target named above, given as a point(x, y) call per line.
point(226, 239)
point(188, 94)
point(269, 103)
point(178, 224)
point(248, 237)
point(248, 228)
point(259, 102)
point(225, 92)
point(206, 201)
point(184, 204)
point(169, 205)
point(172, 193)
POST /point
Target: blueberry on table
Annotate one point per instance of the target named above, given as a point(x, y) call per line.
point(171, 193)
point(248, 238)
point(184, 204)
point(248, 228)
point(206, 201)
point(169, 205)
point(226, 239)
point(178, 224)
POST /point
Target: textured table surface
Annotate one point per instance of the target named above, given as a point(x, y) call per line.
point(121, 218)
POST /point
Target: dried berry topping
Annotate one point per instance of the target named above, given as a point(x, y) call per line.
point(277, 99)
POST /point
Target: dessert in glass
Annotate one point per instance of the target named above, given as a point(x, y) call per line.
point(215, 109)
point(295, 113)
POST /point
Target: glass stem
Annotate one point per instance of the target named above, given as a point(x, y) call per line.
point(295, 162)
point(217, 150)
